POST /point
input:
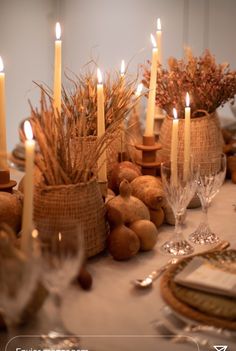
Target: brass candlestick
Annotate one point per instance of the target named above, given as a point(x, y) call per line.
point(6, 184)
point(150, 165)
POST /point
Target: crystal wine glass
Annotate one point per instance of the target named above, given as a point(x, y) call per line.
point(211, 178)
point(179, 188)
point(62, 255)
point(19, 278)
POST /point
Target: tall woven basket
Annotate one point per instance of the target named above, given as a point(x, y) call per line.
point(82, 201)
point(206, 138)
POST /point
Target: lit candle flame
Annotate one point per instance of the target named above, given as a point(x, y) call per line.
point(122, 68)
point(99, 76)
point(187, 100)
point(35, 233)
point(159, 24)
point(153, 40)
point(175, 114)
point(139, 89)
point(59, 236)
point(1, 65)
point(28, 130)
point(58, 31)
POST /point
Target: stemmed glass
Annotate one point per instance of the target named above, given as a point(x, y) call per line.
point(211, 178)
point(179, 188)
point(19, 278)
point(62, 253)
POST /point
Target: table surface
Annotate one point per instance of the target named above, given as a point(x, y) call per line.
point(116, 316)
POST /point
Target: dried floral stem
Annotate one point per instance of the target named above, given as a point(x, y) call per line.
point(209, 84)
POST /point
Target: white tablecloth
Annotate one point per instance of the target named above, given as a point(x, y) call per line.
point(116, 316)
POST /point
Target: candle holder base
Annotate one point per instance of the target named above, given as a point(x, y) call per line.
point(103, 187)
point(6, 184)
point(149, 163)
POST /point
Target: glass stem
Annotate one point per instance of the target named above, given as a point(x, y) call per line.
point(56, 321)
point(178, 230)
point(205, 214)
point(14, 331)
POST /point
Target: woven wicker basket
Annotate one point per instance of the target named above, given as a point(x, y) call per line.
point(112, 150)
point(82, 201)
point(206, 138)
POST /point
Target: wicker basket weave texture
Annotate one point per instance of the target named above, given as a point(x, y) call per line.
point(113, 149)
point(206, 138)
point(82, 201)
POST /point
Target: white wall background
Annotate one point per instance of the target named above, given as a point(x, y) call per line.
point(107, 30)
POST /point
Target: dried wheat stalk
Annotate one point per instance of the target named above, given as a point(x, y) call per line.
point(82, 99)
point(63, 157)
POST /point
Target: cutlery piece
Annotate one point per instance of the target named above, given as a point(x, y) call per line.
point(183, 325)
point(148, 280)
point(177, 336)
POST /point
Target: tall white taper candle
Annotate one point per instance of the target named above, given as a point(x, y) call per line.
point(122, 77)
point(27, 225)
point(174, 149)
point(102, 167)
point(152, 91)
point(187, 137)
point(57, 70)
point(137, 95)
point(3, 139)
point(159, 40)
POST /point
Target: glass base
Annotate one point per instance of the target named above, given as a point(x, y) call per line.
point(177, 248)
point(203, 235)
point(57, 341)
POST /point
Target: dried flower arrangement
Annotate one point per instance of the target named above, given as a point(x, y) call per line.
point(82, 99)
point(209, 84)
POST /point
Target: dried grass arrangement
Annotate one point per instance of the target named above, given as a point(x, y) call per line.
point(59, 155)
point(81, 100)
point(70, 140)
point(65, 190)
point(209, 84)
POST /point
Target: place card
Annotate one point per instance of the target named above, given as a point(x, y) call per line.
point(202, 275)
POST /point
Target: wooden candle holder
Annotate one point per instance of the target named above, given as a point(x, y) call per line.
point(6, 184)
point(149, 163)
